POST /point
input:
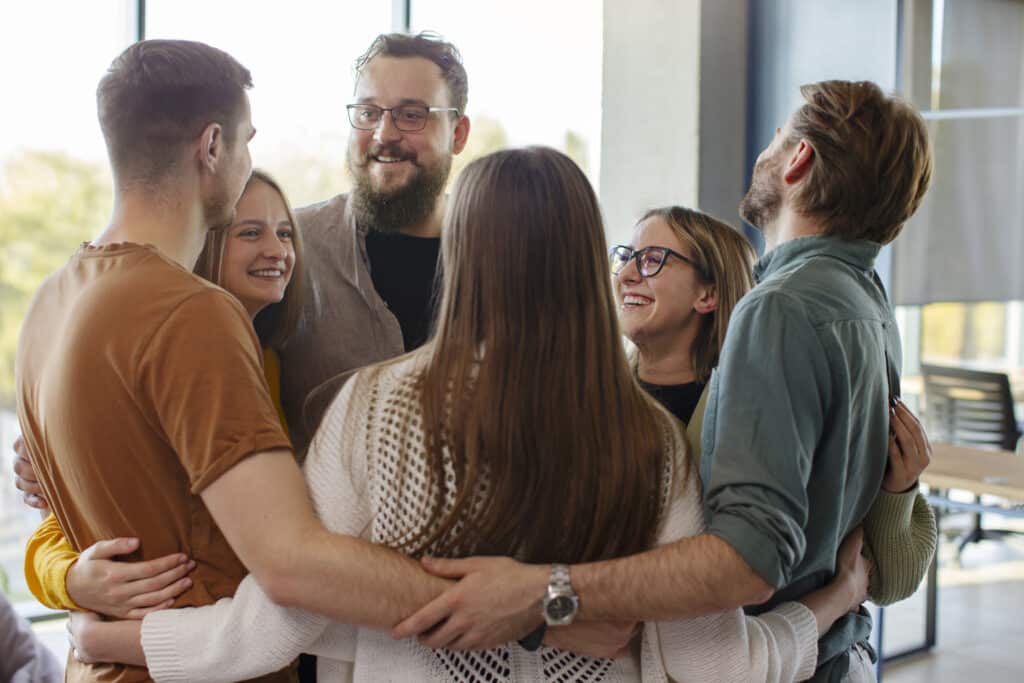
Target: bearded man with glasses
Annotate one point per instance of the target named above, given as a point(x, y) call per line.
point(373, 253)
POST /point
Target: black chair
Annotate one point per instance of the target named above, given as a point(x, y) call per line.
point(970, 408)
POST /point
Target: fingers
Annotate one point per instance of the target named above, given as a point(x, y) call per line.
point(916, 430)
point(450, 635)
point(105, 550)
point(23, 465)
point(140, 613)
point(429, 615)
point(34, 501)
point(153, 569)
point(448, 569)
point(911, 440)
point(852, 544)
point(161, 588)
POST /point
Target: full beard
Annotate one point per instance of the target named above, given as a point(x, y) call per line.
point(395, 210)
point(763, 201)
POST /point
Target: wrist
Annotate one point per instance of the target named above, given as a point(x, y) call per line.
point(899, 489)
point(72, 585)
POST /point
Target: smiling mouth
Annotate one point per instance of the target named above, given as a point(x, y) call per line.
point(383, 159)
point(272, 273)
point(634, 300)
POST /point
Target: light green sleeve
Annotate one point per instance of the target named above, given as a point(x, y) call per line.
point(899, 539)
point(695, 425)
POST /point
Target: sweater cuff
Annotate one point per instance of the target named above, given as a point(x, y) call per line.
point(158, 643)
point(895, 508)
point(806, 627)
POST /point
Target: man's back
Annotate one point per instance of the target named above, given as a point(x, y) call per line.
point(139, 384)
point(798, 417)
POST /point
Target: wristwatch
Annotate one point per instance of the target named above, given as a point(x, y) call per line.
point(560, 602)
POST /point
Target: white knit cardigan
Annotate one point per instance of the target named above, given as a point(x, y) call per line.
point(352, 480)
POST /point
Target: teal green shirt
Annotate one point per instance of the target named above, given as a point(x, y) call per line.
point(796, 430)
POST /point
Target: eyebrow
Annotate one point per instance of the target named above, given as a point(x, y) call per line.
point(401, 102)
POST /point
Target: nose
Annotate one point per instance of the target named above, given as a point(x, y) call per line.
point(386, 130)
point(629, 273)
point(274, 248)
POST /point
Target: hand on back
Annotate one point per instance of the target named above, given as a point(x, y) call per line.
point(126, 590)
point(25, 477)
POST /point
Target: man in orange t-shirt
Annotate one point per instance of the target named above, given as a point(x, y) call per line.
point(140, 392)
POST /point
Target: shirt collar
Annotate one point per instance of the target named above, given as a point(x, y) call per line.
point(858, 253)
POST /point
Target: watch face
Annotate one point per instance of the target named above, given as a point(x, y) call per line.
point(560, 607)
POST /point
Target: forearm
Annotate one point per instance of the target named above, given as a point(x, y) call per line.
point(334, 574)
point(354, 581)
point(687, 578)
point(113, 641)
point(234, 639)
point(900, 537)
point(828, 605)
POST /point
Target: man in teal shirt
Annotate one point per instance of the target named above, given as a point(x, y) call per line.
point(797, 421)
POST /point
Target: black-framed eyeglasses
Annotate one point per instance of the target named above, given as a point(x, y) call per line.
point(649, 260)
point(408, 118)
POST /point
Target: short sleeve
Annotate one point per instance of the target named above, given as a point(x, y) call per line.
point(201, 375)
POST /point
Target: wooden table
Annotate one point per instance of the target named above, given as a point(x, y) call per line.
point(996, 473)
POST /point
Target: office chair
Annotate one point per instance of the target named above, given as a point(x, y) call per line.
point(970, 408)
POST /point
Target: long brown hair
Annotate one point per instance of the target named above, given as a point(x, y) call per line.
point(725, 258)
point(275, 323)
point(525, 389)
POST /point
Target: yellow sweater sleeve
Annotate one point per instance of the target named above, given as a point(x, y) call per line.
point(272, 371)
point(48, 557)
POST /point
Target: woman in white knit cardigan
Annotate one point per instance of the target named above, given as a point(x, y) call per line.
point(519, 430)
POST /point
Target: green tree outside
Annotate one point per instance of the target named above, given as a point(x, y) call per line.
point(49, 204)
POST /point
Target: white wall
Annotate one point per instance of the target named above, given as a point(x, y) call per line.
point(650, 102)
point(673, 127)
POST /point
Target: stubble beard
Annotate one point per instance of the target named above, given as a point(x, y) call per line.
point(761, 205)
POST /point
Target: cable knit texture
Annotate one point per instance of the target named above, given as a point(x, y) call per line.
point(352, 469)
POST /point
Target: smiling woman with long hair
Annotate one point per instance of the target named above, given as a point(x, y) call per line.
point(518, 429)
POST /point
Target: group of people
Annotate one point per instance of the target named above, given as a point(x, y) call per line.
point(493, 486)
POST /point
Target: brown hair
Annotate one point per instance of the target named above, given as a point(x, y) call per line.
point(724, 259)
point(873, 160)
point(158, 95)
point(427, 45)
point(545, 416)
point(277, 322)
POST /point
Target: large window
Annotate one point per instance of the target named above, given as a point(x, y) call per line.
point(534, 71)
point(957, 266)
point(54, 191)
point(301, 56)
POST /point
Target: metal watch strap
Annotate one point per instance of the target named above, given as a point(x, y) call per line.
point(560, 577)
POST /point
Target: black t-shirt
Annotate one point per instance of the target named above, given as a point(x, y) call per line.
point(679, 399)
point(403, 269)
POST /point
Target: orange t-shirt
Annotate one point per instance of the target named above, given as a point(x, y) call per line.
point(139, 384)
